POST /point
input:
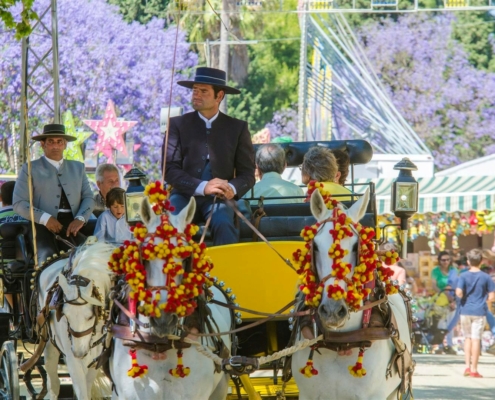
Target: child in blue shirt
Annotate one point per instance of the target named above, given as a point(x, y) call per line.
point(474, 287)
point(111, 225)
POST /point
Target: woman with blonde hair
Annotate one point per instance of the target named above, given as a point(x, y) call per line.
point(319, 164)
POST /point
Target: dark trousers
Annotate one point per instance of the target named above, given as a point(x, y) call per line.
point(222, 225)
point(46, 243)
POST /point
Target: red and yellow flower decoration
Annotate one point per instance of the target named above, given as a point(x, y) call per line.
point(171, 246)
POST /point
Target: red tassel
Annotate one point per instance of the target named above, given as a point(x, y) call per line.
point(180, 371)
point(136, 370)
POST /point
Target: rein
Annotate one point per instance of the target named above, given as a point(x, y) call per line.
point(233, 205)
point(259, 322)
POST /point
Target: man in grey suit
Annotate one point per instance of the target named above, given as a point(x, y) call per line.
point(62, 198)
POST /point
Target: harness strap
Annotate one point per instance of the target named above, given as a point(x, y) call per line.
point(130, 315)
point(278, 315)
point(207, 223)
point(83, 333)
point(359, 335)
point(233, 205)
point(43, 335)
point(243, 328)
point(145, 340)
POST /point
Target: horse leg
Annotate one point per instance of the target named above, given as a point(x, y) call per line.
point(78, 375)
point(90, 379)
point(51, 365)
point(221, 391)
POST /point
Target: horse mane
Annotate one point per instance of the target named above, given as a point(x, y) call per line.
point(91, 262)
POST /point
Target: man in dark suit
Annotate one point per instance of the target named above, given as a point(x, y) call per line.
point(209, 154)
point(62, 198)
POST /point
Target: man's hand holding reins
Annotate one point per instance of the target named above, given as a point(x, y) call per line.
point(53, 225)
point(220, 188)
point(74, 227)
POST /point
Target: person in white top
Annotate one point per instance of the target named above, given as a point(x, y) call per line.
point(112, 226)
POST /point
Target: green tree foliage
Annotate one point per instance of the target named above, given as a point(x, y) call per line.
point(273, 68)
point(475, 30)
point(22, 24)
point(142, 10)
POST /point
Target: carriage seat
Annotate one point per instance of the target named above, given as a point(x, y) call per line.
point(281, 222)
point(285, 221)
point(16, 253)
point(360, 151)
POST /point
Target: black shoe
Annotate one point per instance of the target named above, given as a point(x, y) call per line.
point(449, 350)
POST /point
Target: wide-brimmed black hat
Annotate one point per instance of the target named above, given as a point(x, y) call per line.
point(54, 130)
point(210, 76)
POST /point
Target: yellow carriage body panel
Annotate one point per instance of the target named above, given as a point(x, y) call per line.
point(258, 277)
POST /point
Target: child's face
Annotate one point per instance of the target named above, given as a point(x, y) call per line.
point(117, 210)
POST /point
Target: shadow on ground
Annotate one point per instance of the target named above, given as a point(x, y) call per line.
point(452, 394)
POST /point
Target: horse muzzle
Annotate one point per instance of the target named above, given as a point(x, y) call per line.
point(333, 314)
point(164, 326)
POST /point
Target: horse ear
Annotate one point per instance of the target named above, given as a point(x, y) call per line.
point(146, 211)
point(86, 294)
point(187, 214)
point(358, 209)
point(318, 207)
point(62, 281)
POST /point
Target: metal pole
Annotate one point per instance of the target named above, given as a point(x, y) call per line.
point(24, 140)
point(207, 53)
point(55, 73)
point(404, 243)
point(224, 47)
point(303, 61)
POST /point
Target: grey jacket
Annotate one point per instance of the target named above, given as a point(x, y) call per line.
point(47, 184)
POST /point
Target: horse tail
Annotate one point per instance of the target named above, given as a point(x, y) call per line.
point(102, 388)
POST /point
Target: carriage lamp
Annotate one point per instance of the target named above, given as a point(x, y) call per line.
point(134, 195)
point(404, 197)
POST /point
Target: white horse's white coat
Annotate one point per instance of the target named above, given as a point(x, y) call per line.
point(90, 262)
point(334, 382)
point(202, 383)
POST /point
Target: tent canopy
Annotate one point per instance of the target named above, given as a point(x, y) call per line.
point(441, 194)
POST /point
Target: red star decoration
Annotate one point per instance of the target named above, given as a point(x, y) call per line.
point(110, 132)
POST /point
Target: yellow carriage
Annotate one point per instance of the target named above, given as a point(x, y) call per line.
point(251, 268)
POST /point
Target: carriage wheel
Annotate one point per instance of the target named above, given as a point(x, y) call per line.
point(9, 375)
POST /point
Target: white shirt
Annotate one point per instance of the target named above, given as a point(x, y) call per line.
point(110, 229)
point(200, 190)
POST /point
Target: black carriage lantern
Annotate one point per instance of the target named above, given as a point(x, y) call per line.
point(134, 195)
point(405, 195)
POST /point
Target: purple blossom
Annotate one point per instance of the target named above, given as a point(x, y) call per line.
point(449, 103)
point(102, 57)
point(284, 124)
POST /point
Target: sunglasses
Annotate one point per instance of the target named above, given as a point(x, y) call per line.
point(445, 259)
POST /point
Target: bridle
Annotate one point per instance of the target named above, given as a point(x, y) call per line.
point(80, 281)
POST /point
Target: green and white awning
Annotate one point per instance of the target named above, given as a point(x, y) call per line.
point(441, 194)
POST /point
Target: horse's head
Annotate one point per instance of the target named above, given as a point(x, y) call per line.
point(334, 254)
point(164, 273)
point(85, 291)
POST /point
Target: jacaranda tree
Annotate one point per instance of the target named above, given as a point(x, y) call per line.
point(427, 73)
point(102, 57)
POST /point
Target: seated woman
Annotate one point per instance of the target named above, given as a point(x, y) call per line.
point(319, 164)
point(343, 163)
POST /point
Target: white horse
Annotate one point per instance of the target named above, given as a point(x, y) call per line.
point(333, 380)
point(79, 328)
point(202, 382)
